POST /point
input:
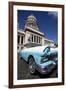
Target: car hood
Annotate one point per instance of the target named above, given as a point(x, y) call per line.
point(39, 50)
point(35, 49)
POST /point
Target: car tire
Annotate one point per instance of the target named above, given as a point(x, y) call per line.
point(32, 65)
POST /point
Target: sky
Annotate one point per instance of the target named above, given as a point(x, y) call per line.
point(47, 22)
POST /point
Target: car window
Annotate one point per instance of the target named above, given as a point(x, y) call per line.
point(46, 50)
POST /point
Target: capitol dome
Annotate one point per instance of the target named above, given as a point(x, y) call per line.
point(31, 17)
point(32, 22)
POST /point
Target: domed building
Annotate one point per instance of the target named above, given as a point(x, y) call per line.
point(32, 22)
point(31, 36)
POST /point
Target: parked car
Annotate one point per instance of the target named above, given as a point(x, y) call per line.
point(41, 58)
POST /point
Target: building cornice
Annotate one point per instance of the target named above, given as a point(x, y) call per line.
point(34, 31)
point(21, 32)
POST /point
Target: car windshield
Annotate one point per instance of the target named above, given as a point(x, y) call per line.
point(53, 52)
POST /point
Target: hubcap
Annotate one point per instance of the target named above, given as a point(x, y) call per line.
point(31, 65)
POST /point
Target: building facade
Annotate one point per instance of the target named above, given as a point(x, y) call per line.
point(31, 36)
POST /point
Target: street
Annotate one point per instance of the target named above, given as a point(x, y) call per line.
point(23, 72)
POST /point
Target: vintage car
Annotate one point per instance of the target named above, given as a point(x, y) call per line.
point(41, 58)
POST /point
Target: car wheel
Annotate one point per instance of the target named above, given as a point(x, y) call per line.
point(31, 65)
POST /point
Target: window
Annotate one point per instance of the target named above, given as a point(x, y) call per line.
point(18, 39)
point(21, 39)
point(21, 47)
point(46, 42)
point(34, 38)
point(41, 40)
point(18, 47)
point(37, 39)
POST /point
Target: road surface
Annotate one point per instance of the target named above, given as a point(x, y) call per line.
point(23, 72)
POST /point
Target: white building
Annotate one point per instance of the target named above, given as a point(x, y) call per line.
point(31, 35)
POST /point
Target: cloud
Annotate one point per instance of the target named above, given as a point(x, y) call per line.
point(54, 14)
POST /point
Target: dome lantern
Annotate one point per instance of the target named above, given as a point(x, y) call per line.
point(32, 22)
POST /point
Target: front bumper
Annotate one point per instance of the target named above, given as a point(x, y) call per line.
point(46, 69)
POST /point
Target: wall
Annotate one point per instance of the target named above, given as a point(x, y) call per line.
point(4, 44)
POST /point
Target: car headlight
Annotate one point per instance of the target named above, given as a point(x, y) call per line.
point(44, 59)
point(55, 59)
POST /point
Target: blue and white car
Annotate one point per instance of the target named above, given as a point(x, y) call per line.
point(41, 58)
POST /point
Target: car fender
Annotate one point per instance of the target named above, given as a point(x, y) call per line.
point(36, 57)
